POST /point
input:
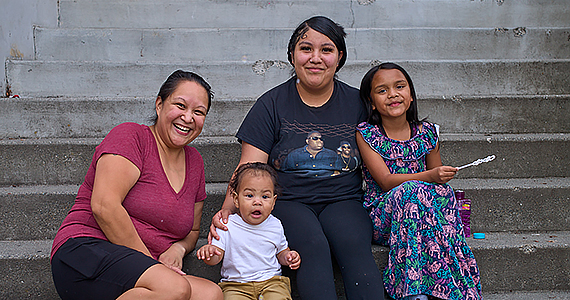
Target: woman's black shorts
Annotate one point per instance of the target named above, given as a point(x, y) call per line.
point(91, 268)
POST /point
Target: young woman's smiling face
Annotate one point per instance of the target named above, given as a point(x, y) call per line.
point(390, 93)
point(315, 60)
point(255, 197)
point(181, 116)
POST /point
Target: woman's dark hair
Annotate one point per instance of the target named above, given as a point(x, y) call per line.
point(374, 117)
point(255, 168)
point(178, 76)
point(334, 31)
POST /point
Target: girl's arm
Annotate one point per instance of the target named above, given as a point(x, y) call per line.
point(173, 257)
point(114, 177)
point(249, 153)
point(435, 173)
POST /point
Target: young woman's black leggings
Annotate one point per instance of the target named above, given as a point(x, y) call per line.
point(342, 227)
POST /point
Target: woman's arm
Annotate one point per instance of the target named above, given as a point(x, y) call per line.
point(249, 153)
point(114, 177)
point(436, 173)
point(173, 256)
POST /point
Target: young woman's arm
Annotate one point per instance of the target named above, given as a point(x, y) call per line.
point(436, 173)
point(114, 177)
point(249, 153)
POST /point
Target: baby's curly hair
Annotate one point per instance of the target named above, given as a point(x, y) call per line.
point(256, 169)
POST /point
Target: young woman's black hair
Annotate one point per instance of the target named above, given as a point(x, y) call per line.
point(323, 25)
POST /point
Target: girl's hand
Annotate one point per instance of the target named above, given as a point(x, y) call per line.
point(172, 258)
point(443, 174)
point(293, 259)
point(218, 221)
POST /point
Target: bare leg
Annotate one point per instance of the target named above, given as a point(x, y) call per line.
point(159, 282)
point(204, 289)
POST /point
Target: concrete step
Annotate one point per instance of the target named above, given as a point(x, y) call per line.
point(183, 45)
point(238, 80)
point(508, 265)
point(498, 205)
point(65, 161)
point(289, 13)
point(88, 117)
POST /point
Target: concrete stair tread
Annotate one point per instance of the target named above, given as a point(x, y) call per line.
point(82, 116)
point(220, 187)
point(516, 205)
point(249, 80)
point(497, 256)
point(65, 160)
point(17, 249)
point(138, 45)
point(149, 14)
point(535, 295)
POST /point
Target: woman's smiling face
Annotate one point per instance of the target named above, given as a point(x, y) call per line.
point(181, 116)
point(315, 60)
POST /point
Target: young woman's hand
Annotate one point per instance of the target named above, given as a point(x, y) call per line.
point(218, 221)
point(443, 174)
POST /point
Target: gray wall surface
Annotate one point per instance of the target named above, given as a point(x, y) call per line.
point(17, 18)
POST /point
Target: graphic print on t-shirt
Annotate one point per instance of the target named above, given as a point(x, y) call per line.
point(316, 157)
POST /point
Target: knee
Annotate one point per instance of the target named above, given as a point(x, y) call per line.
point(177, 289)
point(212, 292)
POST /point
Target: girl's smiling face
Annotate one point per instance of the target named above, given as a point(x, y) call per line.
point(181, 116)
point(390, 93)
point(315, 60)
point(255, 197)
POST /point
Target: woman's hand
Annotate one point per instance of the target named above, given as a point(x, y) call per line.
point(218, 221)
point(172, 258)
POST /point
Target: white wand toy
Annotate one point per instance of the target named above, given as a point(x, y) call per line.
point(478, 162)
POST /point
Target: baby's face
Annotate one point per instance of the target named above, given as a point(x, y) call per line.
point(255, 198)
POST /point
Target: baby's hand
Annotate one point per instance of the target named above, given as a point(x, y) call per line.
point(293, 259)
point(207, 251)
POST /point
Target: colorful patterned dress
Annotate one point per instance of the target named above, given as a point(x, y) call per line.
point(420, 223)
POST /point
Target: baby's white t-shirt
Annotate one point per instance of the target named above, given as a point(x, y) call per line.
point(251, 250)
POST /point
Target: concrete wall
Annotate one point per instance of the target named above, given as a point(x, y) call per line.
point(17, 18)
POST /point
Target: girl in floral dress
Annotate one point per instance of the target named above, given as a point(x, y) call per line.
point(413, 209)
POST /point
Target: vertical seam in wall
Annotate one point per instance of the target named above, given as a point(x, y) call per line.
point(351, 14)
point(7, 89)
point(35, 53)
point(58, 14)
point(142, 43)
